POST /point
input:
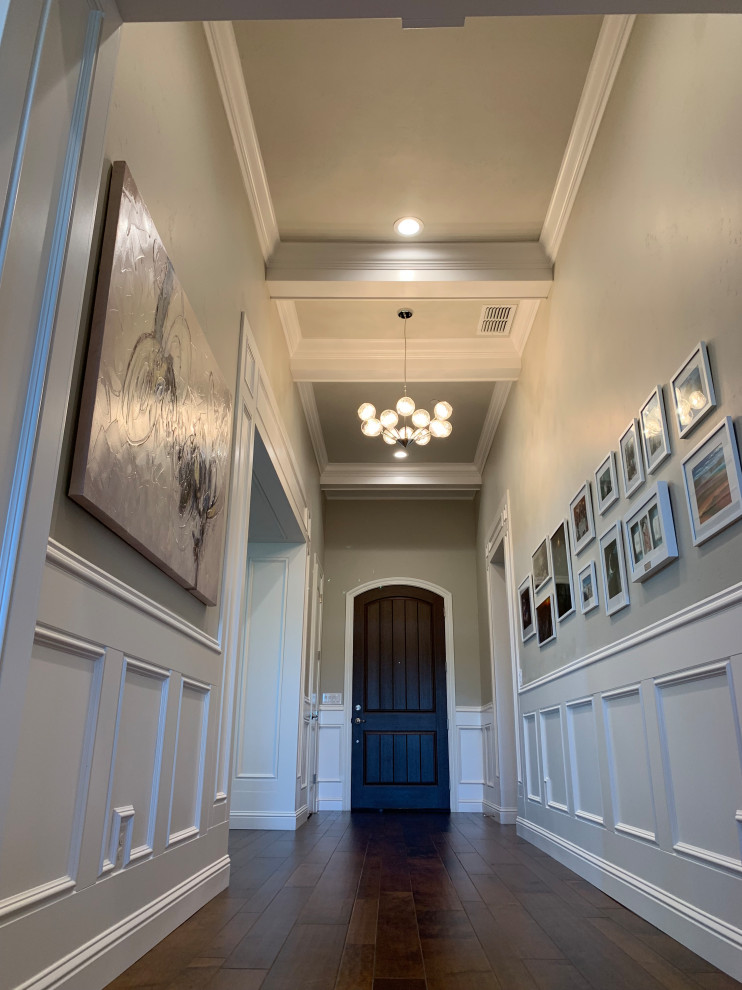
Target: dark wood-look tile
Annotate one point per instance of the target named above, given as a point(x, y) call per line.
point(356, 968)
point(310, 957)
point(399, 985)
point(238, 979)
point(397, 941)
point(675, 953)
point(259, 948)
point(509, 968)
point(556, 974)
point(663, 971)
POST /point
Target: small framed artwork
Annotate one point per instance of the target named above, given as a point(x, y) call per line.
point(581, 518)
point(540, 565)
point(693, 391)
point(632, 465)
point(545, 621)
point(525, 606)
point(650, 533)
point(713, 483)
point(587, 588)
point(613, 566)
point(655, 436)
point(561, 565)
point(606, 483)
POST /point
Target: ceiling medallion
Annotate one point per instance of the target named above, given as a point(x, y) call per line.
point(422, 428)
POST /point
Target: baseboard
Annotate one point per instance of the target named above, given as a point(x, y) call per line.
point(505, 816)
point(100, 960)
point(470, 806)
point(710, 937)
point(271, 820)
point(330, 804)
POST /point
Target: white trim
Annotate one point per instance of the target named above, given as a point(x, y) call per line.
point(71, 563)
point(28, 898)
point(289, 318)
point(231, 79)
point(500, 395)
point(65, 643)
point(346, 738)
point(344, 480)
point(65, 974)
point(311, 413)
point(271, 820)
point(523, 323)
point(609, 50)
point(505, 816)
point(699, 610)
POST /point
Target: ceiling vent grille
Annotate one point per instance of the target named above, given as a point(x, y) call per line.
point(496, 321)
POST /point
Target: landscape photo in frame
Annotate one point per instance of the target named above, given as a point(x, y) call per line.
point(152, 454)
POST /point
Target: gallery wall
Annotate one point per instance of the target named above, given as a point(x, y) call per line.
point(167, 122)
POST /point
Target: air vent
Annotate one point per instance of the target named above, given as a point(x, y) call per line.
point(496, 321)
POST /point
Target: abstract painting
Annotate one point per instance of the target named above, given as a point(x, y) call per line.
point(713, 483)
point(154, 437)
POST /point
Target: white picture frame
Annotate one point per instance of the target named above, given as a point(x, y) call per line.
point(651, 543)
point(606, 483)
point(587, 588)
point(613, 569)
point(655, 435)
point(713, 482)
point(632, 462)
point(561, 571)
point(541, 566)
point(526, 609)
point(692, 390)
point(545, 625)
point(582, 519)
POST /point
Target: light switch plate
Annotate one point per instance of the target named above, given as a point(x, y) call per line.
point(332, 698)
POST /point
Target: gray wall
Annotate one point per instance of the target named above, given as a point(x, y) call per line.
point(167, 121)
point(651, 263)
point(429, 540)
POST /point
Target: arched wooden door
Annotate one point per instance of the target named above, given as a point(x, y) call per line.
point(400, 725)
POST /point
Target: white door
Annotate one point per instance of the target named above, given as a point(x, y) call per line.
point(315, 656)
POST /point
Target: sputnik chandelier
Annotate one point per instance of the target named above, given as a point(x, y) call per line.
point(422, 428)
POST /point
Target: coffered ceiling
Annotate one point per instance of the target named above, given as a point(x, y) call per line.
point(482, 131)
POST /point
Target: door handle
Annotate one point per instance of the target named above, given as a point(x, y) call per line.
point(359, 720)
point(314, 715)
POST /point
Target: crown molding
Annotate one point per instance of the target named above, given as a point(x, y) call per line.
point(492, 421)
point(475, 359)
point(525, 314)
point(311, 413)
point(290, 322)
point(609, 50)
point(447, 480)
point(231, 79)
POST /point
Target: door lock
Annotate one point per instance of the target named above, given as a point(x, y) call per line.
point(357, 708)
point(359, 720)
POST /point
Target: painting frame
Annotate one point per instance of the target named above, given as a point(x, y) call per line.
point(605, 501)
point(590, 602)
point(559, 551)
point(632, 460)
point(694, 373)
point(545, 625)
point(526, 630)
point(613, 569)
point(582, 519)
point(727, 488)
point(541, 565)
point(654, 432)
point(649, 528)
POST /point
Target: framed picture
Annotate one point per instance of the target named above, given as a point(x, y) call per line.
point(693, 391)
point(540, 565)
point(632, 465)
point(650, 533)
point(561, 565)
point(606, 483)
point(545, 621)
point(613, 566)
point(587, 588)
point(713, 483)
point(581, 518)
point(525, 607)
point(655, 437)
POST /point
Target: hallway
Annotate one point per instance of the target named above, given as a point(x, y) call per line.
point(411, 902)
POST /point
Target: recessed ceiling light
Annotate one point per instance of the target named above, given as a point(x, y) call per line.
point(408, 226)
point(400, 453)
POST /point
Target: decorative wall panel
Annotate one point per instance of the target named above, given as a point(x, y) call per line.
point(552, 758)
point(190, 752)
point(530, 744)
point(583, 758)
point(631, 785)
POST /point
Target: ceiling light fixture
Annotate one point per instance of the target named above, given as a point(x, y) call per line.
point(408, 226)
point(423, 425)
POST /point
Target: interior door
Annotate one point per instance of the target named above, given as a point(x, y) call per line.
point(315, 657)
point(400, 724)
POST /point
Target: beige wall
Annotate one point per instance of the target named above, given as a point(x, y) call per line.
point(167, 121)
point(429, 540)
point(651, 263)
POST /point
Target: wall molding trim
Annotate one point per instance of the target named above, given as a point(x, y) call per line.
point(271, 820)
point(451, 480)
point(289, 318)
point(722, 600)
point(505, 816)
point(309, 402)
point(500, 395)
point(73, 564)
point(609, 50)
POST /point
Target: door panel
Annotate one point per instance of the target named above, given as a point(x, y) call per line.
point(400, 724)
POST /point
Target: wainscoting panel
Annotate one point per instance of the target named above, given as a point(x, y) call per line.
point(330, 769)
point(583, 759)
point(552, 759)
point(190, 755)
point(631, 785)
point(530, 745)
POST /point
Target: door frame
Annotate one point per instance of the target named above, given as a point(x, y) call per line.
point(347, 740)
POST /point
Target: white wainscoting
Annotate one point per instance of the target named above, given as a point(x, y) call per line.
point(330, 759)
point(633, 774)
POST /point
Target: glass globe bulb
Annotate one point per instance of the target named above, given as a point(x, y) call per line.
point(406, 406)
point(389, 419)
point(446, 428)
point(406, 432)
point(366, 411)
point(421, 418)
point(371, 427)
point(438, 428)
point(442, 410)
point(423, 438)
point(388, 438)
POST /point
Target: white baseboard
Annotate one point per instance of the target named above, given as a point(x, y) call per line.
point(275, 820)
point(469, 805)
point(710, 937)
point(330, 804)
point(505, 816)
point(100, 960)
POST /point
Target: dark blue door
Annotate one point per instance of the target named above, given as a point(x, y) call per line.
point(400, 724)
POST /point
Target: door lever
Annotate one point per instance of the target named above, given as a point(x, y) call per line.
point(359, 720)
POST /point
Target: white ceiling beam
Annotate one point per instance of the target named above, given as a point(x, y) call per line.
point(459, 360)
point(458, 270)
point(395, 481)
